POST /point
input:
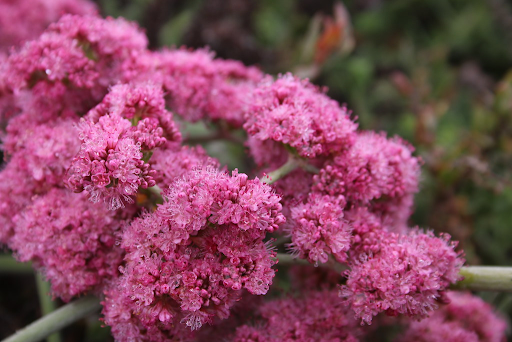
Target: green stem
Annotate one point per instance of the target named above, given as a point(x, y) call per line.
point(287, 259)
point(155, 190)
point(485, 278)
point(9, 265)
point(291, 164)
point(56, 320)
point(46, 302)
point(476, 278)
point(273, 176)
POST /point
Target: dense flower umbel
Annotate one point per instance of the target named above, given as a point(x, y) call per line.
point(405, 274)
point(135, 102)
point(296, 113)
point(85, 52)
point(37, 157)
point(466, 318)
point(315, 316)
point(21, 20)
point(200, 86)
point(319, 230)
point(71, 240)
point(188, 261)
point(173, 161)
point(373, 167)
point(110, 165)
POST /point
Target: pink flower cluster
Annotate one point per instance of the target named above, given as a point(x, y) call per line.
point(83, 109)
point(295, 113)
point(318, 316)
point(110, 165)
point(368, 186)
point(371, 168)
point(189, 260)
point(72, 241)
point(466, 319)
point(173, 161)
point(201, 87)
point(319, 229)
point(404, 274)
point(21, 20)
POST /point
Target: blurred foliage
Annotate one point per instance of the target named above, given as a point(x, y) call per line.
point(436, 72)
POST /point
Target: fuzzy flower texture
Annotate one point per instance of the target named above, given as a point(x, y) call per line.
point(102, 195)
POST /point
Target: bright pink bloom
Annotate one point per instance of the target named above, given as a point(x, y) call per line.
point(405, 274)
point(38, 157)
point(137, 101)
point(16, 190)
point(209, 195)
point(467, 318)
point(71, 240)
point(43, 151)
point(82, 51)
point(188, 261)
point(110, 165)
point(296, 113)
point(373, 167)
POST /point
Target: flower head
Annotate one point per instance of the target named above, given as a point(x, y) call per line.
point(72, 241)
point(405, 274)
point(296, 113)
point(189, 260)
point(318, 229)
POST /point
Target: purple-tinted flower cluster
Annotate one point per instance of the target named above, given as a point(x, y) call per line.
point(21, 20)
point(173, 161)
point(371, 168)
point(318, 316)
point(37, 161)
point(297, 114)
point(466, 318)
point(200, 87)
point(110, 165)
point(319, 229)
point(404, 274)
point(189, 260)
point(367, 187)
point(72, 241)
point(83, 109)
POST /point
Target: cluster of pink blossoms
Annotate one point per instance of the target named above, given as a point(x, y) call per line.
point(130, 122)
point(21, 20)
point(89, 142)
point(466, 319)
point(190, 260)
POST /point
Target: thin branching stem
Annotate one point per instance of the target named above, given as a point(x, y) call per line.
point(56, 320)
point(476, 278)
point(291, 164)
point(46, 302)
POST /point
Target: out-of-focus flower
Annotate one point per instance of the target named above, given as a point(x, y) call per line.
point(466, 318)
